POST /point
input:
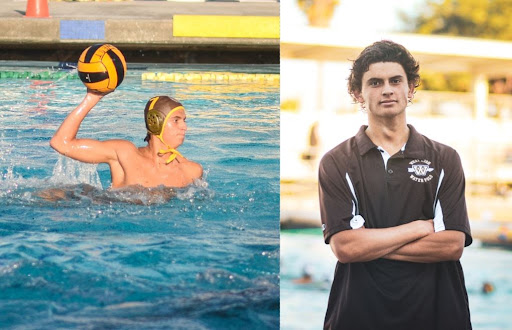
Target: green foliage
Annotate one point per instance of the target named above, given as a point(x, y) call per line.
point(488, 19)
point(468, 18)
point(436, 81)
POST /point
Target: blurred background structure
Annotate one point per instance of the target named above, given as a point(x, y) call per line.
point(147, 31)
point(465, 100)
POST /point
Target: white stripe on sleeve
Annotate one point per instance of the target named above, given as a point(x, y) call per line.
point(353, 193)
point(438, 211)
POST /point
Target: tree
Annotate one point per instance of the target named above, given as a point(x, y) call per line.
point(319, 12)
point(488, 19)
point(468, 18)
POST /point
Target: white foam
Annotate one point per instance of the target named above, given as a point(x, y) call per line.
point(70, 172)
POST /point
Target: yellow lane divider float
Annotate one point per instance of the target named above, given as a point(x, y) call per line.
point(213, 77)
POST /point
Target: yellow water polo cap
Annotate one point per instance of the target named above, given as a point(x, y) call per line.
point(158, 110)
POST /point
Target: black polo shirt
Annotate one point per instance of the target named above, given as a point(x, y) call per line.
point(425, 180)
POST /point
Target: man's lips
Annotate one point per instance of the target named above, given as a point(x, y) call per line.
point(387, 101)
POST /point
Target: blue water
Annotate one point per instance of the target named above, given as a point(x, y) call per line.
point(303, 306)
point(202, 257)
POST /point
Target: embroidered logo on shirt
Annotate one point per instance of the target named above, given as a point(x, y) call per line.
point(420, 170)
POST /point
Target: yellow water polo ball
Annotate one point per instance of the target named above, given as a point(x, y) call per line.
point(102, 67)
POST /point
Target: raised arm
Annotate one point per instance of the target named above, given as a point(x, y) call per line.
point(360, 245)
point(86, 150)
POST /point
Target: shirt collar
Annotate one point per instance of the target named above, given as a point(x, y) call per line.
point(364, 144)
point(415, 147)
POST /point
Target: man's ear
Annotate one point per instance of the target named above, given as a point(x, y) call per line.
point(358, 97)
point(410, 95)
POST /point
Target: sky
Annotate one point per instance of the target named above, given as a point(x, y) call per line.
point(365, 16)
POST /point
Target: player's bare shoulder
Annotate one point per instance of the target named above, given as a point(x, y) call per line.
point(125, 150)
point(192, 169)
point(123, 145)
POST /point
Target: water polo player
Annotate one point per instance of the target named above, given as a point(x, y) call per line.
point(159, 163)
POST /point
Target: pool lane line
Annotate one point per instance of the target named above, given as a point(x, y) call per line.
point(210, 77)
point(215, 26)
point(37, 75)
point(193, 77)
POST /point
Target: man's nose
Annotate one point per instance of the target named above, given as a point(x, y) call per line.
point(387, 89)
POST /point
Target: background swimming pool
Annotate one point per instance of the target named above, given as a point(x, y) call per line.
point(303, 306)
point(206, 259)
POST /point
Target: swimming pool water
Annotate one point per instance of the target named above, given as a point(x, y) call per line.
point(303, 306)
point(207, 258)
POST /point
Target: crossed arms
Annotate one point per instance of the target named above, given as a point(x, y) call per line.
point(414, 241)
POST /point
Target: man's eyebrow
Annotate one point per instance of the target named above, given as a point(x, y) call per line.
point(373, 79)
point(399, 76)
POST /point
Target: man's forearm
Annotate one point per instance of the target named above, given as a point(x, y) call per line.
point(441, 246)
point(359, 245)
point(66, 133)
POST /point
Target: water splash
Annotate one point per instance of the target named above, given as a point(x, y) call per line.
point(73, 181)
point(71, 172)
point(67, 173)
point(197, 191)
point(8, 182)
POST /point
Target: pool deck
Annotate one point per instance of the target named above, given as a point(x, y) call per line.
point(186, 32)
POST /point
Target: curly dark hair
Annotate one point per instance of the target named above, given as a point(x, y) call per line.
point(382, 51)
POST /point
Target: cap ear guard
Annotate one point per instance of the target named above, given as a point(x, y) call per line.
point(156, 118)
point(155, 121)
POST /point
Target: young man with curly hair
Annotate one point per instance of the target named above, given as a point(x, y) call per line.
point(393, 210)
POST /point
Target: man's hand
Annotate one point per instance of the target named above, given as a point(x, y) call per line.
point(365, 244)
point(441, 246)
point(427, 225)
point(96, 94)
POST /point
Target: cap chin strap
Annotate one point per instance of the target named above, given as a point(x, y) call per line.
point(174, 153)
